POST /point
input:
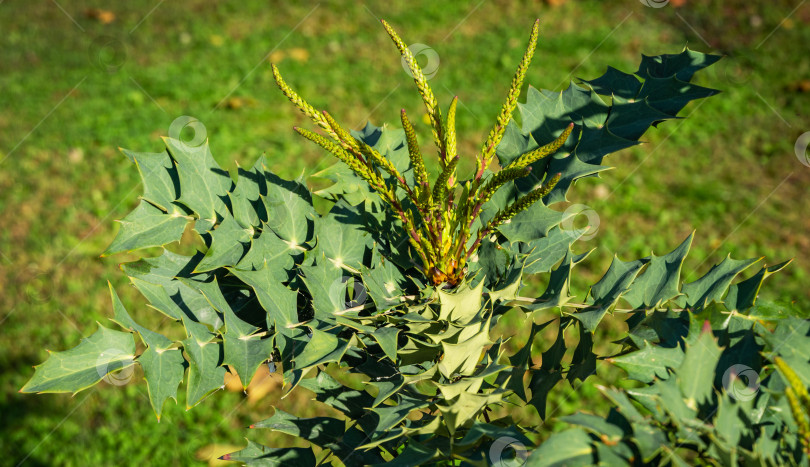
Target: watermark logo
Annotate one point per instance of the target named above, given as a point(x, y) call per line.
point(654, 3)
point(801, 149)
point(575, 211)
point(734, 71)
point(109, 366)
point(39, 288)
point(507, 452)
point(741, 382)
point(108, 53)
point(182, 125)
point(431, 66)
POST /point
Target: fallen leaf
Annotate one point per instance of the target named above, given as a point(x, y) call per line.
point(299, 54)
point(232, 382)
point(262, 384)
point(276, 57)
point(102, 16)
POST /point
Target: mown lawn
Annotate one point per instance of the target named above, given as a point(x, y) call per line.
point(80, 79)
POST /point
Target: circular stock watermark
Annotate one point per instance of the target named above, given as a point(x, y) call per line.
point(432, 64)
point(109, 368)
point(730, 70)
point(800, 148)
point(654, 3)
point(507, 452)
point(741, 382)
point(39, 288)
point(182, 125)
point(108, 53)
point(575, 211)
point(734, 71)
point(339, 292)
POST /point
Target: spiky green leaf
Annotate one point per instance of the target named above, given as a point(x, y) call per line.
point(104, 352)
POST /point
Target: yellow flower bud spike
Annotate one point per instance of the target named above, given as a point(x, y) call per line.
point(431, 104)
point(495, 136)
point(438, 225)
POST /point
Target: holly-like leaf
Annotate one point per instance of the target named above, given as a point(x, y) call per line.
point(352, 403)
point(95, 357)
point(463, 357)
point(385, 285)
point(531, 224)
point(670, 95)
point(520, 364)
point(257, 455)
point(682, 65)
point(269, 248)
point(245, 353)
point(743, 295)
point(556, 293)
point(615, 82)
point(386, 388)
point(246, 204)
point(229, 241)
point(346, 185)
point(606, 292)
point(158, 279)
point(163, 366)
point(122, 317)
point(630, 119)
point(158, 297)
point(340, 237)
point(204, 185)
point(327, 284)
point(387, 338)
point(601, 128)
point(147, 226)
point(608, 432)
point(545, 252)
point(322, 431)
point(413, 454)
point(163, 371)
point(279, 301)
point(571, 168)
point(161, 185)
point(660, 282)
point(205, 372)
point(465, 407)
point(550, 371)
point(790, 339)
point(381, 419)
point(463, 305)
point(583, 363)
point(649, 362)
point(322, 348)
point(494, 261)
point(569, 447)
point(289, 209)
point(696, 373)
point(713, 285)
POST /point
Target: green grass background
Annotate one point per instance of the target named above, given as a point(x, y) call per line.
point(73, 89)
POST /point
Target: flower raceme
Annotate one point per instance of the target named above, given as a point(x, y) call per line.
point(440, 216)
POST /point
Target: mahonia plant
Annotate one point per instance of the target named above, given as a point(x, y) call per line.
point(438, 220)
point(381, 296)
